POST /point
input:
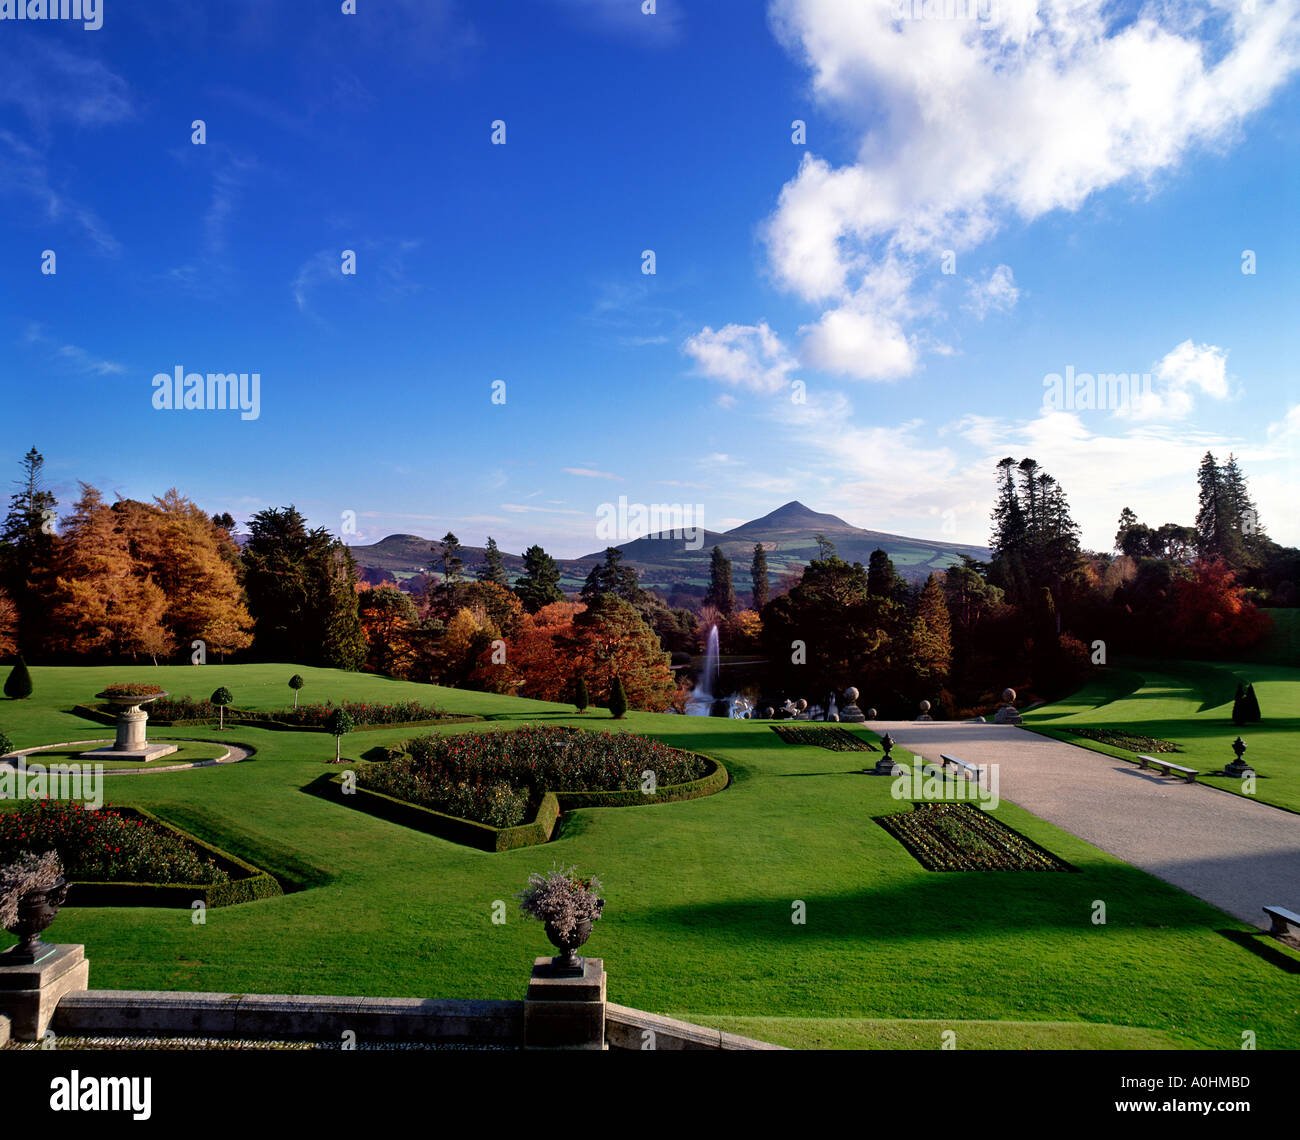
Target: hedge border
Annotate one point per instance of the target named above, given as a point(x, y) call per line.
point(254, 884)
point(91, 713)
point(485, 837)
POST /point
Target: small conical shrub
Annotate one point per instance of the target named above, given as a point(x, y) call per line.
point(1250, 705)
point(580, 698)
point(1238, 716)
point(618, 699)
point(6, 745)
point(18, 685)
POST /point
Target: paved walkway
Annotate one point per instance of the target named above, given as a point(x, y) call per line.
point(1231, 851)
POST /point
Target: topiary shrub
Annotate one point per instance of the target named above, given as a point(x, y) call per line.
point(295, 683)
point(6, 745)
point(1250, 706)
point(18, 685)
point(1238, 716)
point(580, 698)
point(221, 698)
point(618, 700)
point(340, 722)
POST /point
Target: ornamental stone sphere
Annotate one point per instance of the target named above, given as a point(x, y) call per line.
point(802, 705)
point(871, 714)
point(767, 714)
point(850, 694)
point(925, 706)
point(1008, 695)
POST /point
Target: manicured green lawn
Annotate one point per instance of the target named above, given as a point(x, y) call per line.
point(187, 752)
point(700, 897)
point(1190, 704)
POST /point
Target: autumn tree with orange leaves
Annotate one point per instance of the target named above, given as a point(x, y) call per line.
point(1212, 613)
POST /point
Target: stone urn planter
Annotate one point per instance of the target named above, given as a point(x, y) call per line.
point(131, 742)
point(131, 717)
point(567, 905)
point(567, 961)
point(36, 910)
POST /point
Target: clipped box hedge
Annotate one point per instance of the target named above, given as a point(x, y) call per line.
point(485, 837)
point(246, 884)
point(256, 720)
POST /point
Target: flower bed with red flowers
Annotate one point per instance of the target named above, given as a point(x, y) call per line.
point(132, 690)
point(499, 777)
point(104, 846)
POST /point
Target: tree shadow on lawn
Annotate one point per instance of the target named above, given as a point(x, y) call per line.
point(958, 904)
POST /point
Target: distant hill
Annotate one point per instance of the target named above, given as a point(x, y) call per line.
point(667, 566)
point(788, 537)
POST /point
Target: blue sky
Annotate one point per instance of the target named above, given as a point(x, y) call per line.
point(1092, 180)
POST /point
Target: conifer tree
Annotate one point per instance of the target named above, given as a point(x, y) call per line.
point(720, 595)
point(758, 576)
point(618, 700)
point(540, 584)
point(18, 685)
point(493, 566)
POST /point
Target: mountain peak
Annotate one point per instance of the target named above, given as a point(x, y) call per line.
point(794, 516)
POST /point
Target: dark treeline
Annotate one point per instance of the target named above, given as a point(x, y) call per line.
point(136, 581)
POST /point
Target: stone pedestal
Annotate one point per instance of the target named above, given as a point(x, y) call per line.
point(1238, 770)
point(30, 994)
point(1007, 713)
point(131, 742)
point(565, 1011)
point(851, 714)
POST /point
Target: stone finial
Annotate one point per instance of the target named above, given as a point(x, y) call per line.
point(850, 694)
point(925, 706)
point(1008, 695)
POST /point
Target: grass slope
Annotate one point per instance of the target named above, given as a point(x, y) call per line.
point(700, 896)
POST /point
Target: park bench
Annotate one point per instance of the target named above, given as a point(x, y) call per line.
point(1168, 768)
point(1282, 918)
point(971, 770)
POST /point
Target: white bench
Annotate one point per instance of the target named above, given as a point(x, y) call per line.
point(1282, 918)
point(1169, 768)
point(971, 770)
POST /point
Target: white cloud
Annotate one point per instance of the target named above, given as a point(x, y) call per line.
point(1184, 372)
point(859, 343)
point(72, 355)
point(996, 292)
point(1287, 428)
point(744, 356)
point(964, 125)
point(591, 473)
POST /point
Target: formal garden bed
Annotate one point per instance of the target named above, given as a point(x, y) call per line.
point(1128, 741)
point(503, 789)
point(126, 856)
point(183, 712)
point(963, 837)
point(823, 736)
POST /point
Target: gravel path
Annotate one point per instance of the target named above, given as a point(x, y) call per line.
point(1231, 851)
